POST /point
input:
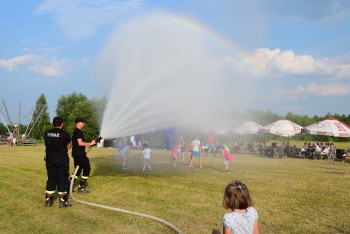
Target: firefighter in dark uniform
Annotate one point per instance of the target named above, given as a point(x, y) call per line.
point(57, 142)
point(79, 155)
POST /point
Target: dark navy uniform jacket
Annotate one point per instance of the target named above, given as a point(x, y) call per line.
point(56, 141)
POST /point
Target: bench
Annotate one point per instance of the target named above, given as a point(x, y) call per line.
point(26, 143)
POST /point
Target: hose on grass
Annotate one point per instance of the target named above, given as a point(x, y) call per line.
point(120, 210)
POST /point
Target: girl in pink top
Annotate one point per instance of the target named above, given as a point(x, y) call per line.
point(174, 154)
point(228, 158)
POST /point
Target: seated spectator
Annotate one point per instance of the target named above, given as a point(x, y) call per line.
point(317, 151)
point(261, 147)
point(250, 147)
point(322, 146)
point(325, 151)
point(294, 151)
point(310, 150)
point(283, 148)
point(303, 150)
point(24, 138)
point(347, 152)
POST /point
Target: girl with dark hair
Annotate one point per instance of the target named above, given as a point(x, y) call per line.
point(244, 217)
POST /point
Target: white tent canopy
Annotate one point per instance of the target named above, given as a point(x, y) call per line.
point(283, 128)
point(248, 127)
point(329, 127)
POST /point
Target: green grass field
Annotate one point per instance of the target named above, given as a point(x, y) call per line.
point(291, 195)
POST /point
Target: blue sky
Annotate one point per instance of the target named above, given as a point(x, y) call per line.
point(299, 50)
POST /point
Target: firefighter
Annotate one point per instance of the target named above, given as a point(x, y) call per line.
point(79, 155)
point(57, 142)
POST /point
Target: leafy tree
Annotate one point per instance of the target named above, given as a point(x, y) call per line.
point(3, 129)
point(66, 105)
point(40, 119)
point(262, 117)
point(78, 105)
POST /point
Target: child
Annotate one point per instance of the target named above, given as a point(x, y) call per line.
point(123, 153)
point(228, 158)
point(244, 217)
point(146, 158)
point(196, 152)
point(174, 154)
point(331, 153)
point(206, 149)
point(182, 149)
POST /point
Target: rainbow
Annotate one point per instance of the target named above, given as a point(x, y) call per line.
point(225, 45)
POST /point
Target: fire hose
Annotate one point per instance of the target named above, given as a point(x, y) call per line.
point(121, 210)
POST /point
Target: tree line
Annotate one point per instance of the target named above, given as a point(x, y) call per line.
point(68, 107)
point(74, 105)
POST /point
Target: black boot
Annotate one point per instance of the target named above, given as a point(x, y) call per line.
point(49, 200)
point(82, 187)
point(64, 201)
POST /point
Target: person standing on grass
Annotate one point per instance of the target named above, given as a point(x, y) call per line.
point(182, 149)
point(79, 155)
point(211, 141)
point(146, 158)
point(10, 139)
point(331, 153)
point(174, 154)
point(196, 153)
point(189, 146)
point(244, 217)
point(225, 151)
point(57, 143)
point(324, 152)
point(122, 154)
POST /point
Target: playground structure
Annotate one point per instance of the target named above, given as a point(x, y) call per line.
point(13, 128)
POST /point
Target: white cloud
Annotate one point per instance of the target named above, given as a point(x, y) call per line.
point(40, 64)
point(52, 67)
point(266, 63)
point(286, 62)
point(13, 63)
point(303, 91)
point(281, 64)
point(336, 89)
point(81, 18)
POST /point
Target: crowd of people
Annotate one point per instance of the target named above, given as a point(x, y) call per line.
point(319, 151)
point(192, 150)
point(309, 150)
